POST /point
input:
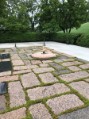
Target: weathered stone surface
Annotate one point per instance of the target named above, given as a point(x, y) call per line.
point(82, 87)
point(17, 62)
point(43, 65)
point(22, 71)
point(63, 71)
point(87, 79)
point(42, 70)
point(74, 68)
point(39, 111)
point(63, 60)
point(71, 63)
point(5, 73)
point(29, 80)
point(57, 66)
point(80, 114)
point(36, 62)
point(47, 61)
point(74, 76)
point(84, 66)
point(20, 68)
point(9, 78)
point(16, 114)
point(47, 78)
point(17, 96)
point(46, 91)
point(32, 66)
point(2, 103)
point(64, 103)
point(15, 57)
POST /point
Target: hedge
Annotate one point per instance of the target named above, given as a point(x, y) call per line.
point(17, 36)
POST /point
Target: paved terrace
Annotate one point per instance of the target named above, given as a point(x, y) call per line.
point(43, 89)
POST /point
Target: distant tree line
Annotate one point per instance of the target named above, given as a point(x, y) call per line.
point(43, 15)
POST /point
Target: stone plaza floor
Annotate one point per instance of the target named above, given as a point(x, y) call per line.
point(43, 89)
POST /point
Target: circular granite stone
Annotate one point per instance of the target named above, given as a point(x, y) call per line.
point(40, 55)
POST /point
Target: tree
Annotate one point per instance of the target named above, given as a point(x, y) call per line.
point(71, 13)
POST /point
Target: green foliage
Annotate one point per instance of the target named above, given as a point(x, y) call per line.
point(83, 41)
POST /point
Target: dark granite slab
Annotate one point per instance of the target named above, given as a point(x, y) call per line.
point(3, 88)
point(4, 56)
point(5, 66)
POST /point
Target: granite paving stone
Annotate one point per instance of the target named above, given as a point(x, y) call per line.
point(47, 91)
point(79, 114)
point(84, 66)
point(9, 78)
point(16, 93)
point(20, 68)
point(22, 71)
point(63, 71)
point(35, 62)
point(29, 80)
point(2, 103)
point(43, 65)
point(56, 66)
point(74, 68)
point(6, 73)
point(39, 111)
point(64, 103)
point(47, 61)
point(48, 78)
point(82, 87)
point(43, 70)
point(71, 63)
point(74, 76)
point(17, 62)
point(16, 114)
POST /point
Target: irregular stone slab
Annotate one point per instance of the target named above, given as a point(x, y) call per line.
point(64, 103)
point(5, 66)
point(63, 60)
point(82, 87)
point(46, 91)
point(17, 96)
point(84, 66)
point(57, 66)
point(43, 65)
point(48, 78)
point(32, 66)
point(47, 61)
point(16, 114)
point(29, 80)
point(74, 76)
point(15, 57)
point(80, 114)
point(5, 73)
point(2, 103)
point(74, 68)
point(22, 71)
point(17, 62)
point(39, 111)
point(36, 62)
point(9, 78)
point(42, 70)
point(71, 63)
point(20, 68)
point(63, 71)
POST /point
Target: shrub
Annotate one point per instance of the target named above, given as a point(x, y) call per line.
point(83, 40)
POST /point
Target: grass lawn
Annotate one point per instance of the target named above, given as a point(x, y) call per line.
point(83, 29)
